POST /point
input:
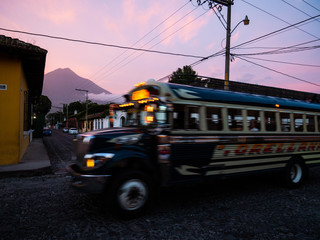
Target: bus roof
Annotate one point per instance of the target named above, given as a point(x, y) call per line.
point(221, 96)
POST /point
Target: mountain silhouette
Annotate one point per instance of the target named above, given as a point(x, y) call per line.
point(59, 86)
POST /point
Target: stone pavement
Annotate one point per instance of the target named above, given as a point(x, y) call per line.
point(35, 161)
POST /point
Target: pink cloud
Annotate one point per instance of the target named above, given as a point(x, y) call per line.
point(55, 11)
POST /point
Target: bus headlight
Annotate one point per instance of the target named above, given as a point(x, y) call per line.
point(97, 159)
point(127, 140)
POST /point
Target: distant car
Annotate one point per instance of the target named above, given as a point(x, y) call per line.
point(47, 132)
point(73, 131)
point(65, 130)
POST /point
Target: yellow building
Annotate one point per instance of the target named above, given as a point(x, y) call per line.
point(21, 80)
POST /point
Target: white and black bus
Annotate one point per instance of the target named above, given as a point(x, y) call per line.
point(178, 133)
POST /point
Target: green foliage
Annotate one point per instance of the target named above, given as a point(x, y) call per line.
point(38, 125)
point(43, 106)
point(55, 117)
point(186, 76)
point(41, 109)
point(74, 106)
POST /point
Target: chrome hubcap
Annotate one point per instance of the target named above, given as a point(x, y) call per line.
point(132, 194)
point(296, 173)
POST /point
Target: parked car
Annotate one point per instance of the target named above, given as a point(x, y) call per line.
point(65, 130)
point(73, 131)
point(47, 132)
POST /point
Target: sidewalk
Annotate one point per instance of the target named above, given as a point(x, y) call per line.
point(35, 161)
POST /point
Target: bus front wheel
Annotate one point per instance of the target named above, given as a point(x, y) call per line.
point(130, 193)
point(295, 173)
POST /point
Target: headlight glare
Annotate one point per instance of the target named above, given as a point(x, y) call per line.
point(97, 159)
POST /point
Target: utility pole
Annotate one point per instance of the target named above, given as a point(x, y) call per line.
point(228, 36)
point(67, 105)
point(213, 4)
point(84, 90)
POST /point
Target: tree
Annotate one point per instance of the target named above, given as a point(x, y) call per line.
point(186, 76)
point(75, 106)
point(40, 110)
point(43, 106)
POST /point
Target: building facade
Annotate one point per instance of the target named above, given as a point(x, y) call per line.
point(21, 81)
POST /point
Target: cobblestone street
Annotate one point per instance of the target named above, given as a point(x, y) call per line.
point(44, 207)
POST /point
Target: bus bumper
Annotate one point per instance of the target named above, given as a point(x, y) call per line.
point(88, 183)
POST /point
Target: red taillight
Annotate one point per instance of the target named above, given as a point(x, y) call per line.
point(164, 152)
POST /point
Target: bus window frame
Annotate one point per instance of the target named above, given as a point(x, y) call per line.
point(242, 115)
point(186, 118)
point(294, 122)
point(261, 122)
point(291, 122)
point(307, 124)
point(222, 122)
point(275, 123)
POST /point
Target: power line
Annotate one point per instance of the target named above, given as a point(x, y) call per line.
point(285, 74)
point(113, 71)
point(128, 62)
point(99, 72)
point(142, 38)
point(289, 63)
point(221, 52)
point(277, 31)
point(100, 44)
point(297, 9)
point(278, 18)
point(311, 5)
point(281, 51)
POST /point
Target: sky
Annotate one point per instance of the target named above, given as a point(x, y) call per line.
point(288, 59)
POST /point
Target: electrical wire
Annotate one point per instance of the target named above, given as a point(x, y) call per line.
point(278, 18)
point(100, 44)
point(311, 5)
point(276, 71)
point(297, 9)
point(288, 63)
point(280, 51)
point(156, 44)
point(221, 52)
point(115, 69)
point(147, 34)
point(277, 31)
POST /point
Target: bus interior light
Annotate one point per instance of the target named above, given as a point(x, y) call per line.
point(277, 105)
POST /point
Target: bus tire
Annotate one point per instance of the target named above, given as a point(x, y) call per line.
point(295, 173)
point(130, 193)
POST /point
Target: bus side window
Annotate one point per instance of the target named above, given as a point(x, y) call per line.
point(253, 120)
point(310, 123)
point(270, 121)
point(235, 119)
point(214, 118)
point(193, 118)
point(318, 123)
point(298, 122)
point(178, 116)
point(285, 122)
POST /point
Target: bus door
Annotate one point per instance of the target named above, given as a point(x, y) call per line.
point(190, 151)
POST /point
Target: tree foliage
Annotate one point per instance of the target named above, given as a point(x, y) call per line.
point(186, 76)
point(43, 106)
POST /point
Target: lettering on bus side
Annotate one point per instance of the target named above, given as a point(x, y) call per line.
point(234, 150)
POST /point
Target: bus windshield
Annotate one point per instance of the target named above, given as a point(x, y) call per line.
point(148, 114)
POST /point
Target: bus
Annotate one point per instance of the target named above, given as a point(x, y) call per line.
point(180, 134)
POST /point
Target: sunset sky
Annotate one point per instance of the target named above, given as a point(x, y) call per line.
point(172, 26)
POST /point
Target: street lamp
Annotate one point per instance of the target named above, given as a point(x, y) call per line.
point(245, 21)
